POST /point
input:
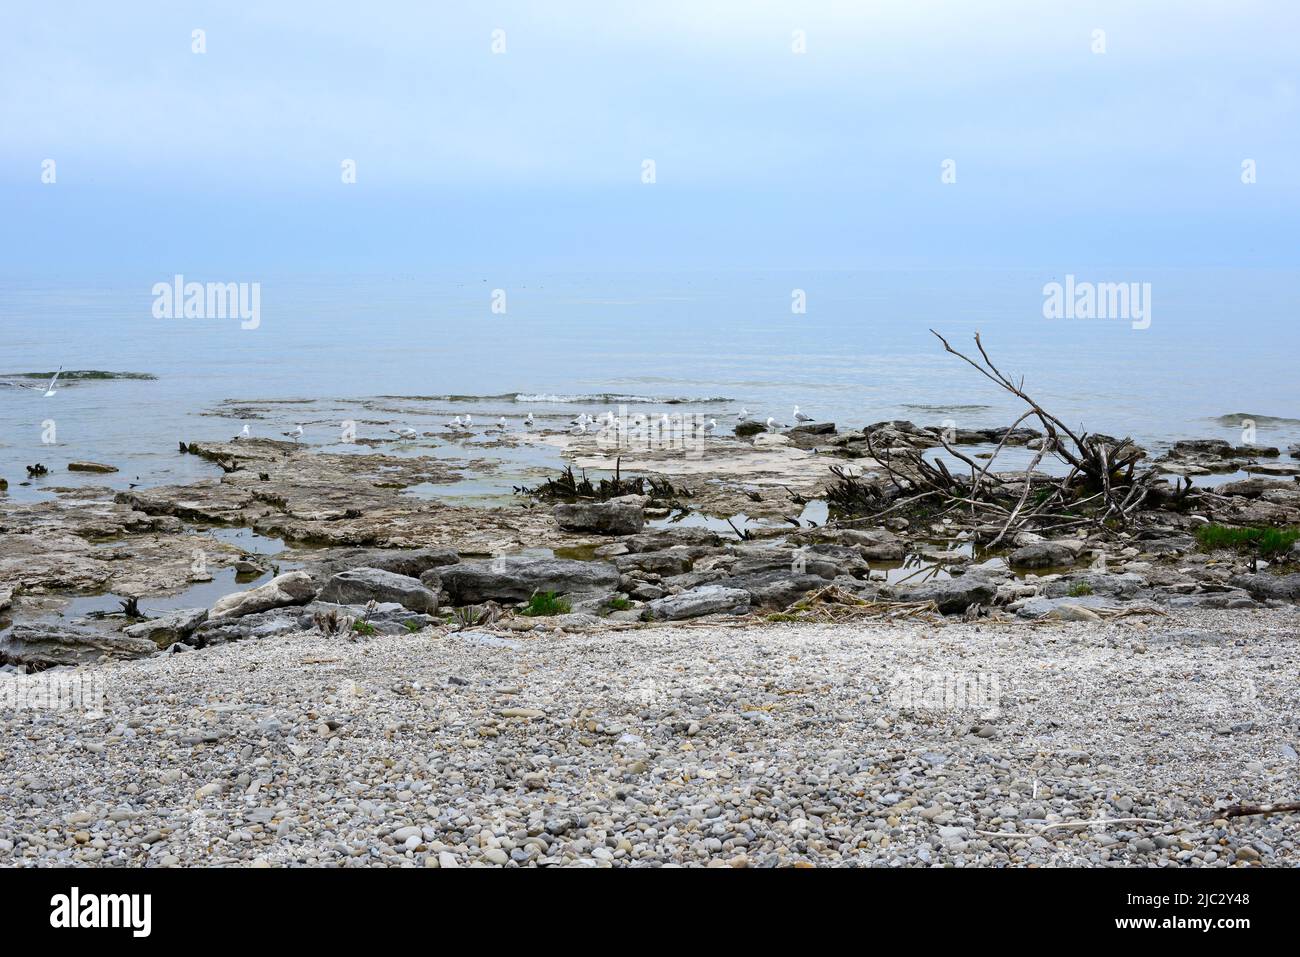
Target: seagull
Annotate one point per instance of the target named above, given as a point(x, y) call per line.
point(713, 424)
point(528, 421)
point(501, 423)
point(800, 417)
point(296, 434)
point(581, 429)
point(405, 433)
point(242, 435)
point(469, 420)
point(454, 423)
point(771, 424)
point(742, 415)
point(580, 420)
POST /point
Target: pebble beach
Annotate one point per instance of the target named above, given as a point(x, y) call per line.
point(713, 744)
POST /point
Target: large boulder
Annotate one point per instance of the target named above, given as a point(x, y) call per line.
point(661, 538)
point(165, 630)
point(952, 595)
point(605, 518)
point(516, 579)
point(265, 624)
point(361, 585)
point(1042, 555)
point(48, 644)
point(1262, 585)
point(1097, 583)
point(774, 589)
point(670, 561)
point(291, 588)
point(706, 600)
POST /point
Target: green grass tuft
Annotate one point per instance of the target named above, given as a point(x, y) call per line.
point(1265, 542)
point(546, 603)
point(1079, 589)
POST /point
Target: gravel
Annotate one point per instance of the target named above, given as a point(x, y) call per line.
point(717, 744)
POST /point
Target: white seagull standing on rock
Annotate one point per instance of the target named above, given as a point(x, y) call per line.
point(800, 417)
point(454, 424)
point(242, 435)
point(296, 434)
point(469, 421)
point(771, 424)
point(713, 424)
point(405, 433)
point(742, 415)
point(528, 421)
point(501, 423)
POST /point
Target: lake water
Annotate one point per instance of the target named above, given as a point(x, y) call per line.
point(386, 349)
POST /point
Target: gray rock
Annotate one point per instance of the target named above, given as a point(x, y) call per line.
point(388, 618)
point(671, 561)
point(166, 630)
point(706, 600)
point(516, 579)
point(413, 562)
point(1284, 587)
point(47, 644)
point(1098, 583)
point(777, 589)
point(660, 538)
point(605, 518)
point(1042, 555)
point(361, 585)
point(952, 596)
point(266, 624)
point(291, 588)
point(1048, 607)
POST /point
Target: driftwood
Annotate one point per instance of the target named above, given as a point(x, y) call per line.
point(1102, 486)
point(1246, 810)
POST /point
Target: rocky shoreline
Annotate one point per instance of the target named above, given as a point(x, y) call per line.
point(317, 572)
point(356, 549)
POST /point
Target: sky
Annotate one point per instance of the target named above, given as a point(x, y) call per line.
point(1071, 148)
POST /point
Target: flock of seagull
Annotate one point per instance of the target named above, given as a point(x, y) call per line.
point(578, 426)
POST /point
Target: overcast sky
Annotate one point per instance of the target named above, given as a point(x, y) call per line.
point(532, 158)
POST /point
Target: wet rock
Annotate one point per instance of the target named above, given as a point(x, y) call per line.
point(516, 579)
point(90, 467)
point(47, 644)
point(292, 588)
point(604, 518)
point(166, 630)
point(361, 585)
point(705, 600)
point(1273, 468)
point(815, 428)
